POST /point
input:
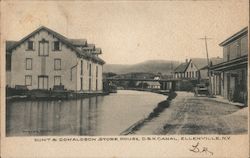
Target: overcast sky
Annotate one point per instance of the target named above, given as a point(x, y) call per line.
point(132, 32)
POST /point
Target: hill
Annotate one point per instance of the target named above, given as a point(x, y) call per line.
point(150, 66)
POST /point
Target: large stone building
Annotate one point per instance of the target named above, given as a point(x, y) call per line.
point(230, 77)
point(45, 59)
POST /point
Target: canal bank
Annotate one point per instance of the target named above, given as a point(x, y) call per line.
point(24, 94)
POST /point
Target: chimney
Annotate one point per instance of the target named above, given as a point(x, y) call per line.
point(186, 60)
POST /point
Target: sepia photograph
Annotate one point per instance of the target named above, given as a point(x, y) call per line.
point(125, 69)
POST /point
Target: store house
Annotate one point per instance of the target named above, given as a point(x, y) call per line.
point(45, 59)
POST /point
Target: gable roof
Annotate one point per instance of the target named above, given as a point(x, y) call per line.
point(199, 62)
point(235, 36)
point(71, 43)
point(182, 67)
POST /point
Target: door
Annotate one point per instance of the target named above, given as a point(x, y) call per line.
point(43, 82)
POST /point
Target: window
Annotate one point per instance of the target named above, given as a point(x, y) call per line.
point(30, 45)
point(43, 48)
point(244, 45)
point(28, 64)
point(191, 65)
point(81, 83)
point(57, 80)
point(238, 49)
point(197, 74)
point(57, 64)
point(96, 84)
point(90, 84)
point(228, 53)
point(89, 70)
point(28, 80)
point(56, 46)
point(81, 67)
point(96, 71)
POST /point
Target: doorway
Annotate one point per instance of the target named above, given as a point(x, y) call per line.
point(42, 82)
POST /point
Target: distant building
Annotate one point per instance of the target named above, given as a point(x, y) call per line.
point(45, 59)
point(157, 78)
point(203, 72)
point(230, 76)
point(187, 70)
point(153, 85)
point(148, 84)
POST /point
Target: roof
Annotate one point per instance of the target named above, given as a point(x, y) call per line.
point(97, 51)
point(151, 83)
point(201, 63)
point(78, 42)
point(71, 43)
point(216, 60)
point(235, 36)
point(91, 45)
point(182, 67)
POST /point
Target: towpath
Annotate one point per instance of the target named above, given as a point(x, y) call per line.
point(188, 114)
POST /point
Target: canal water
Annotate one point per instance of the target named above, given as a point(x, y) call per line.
point(101, 115)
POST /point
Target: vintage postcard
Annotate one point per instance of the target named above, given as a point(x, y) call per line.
point(124, 78)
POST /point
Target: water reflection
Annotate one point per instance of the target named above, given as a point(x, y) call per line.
point(102, 115)
point(75, 117)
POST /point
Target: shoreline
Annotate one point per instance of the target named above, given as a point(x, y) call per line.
point(47, 96)
point(155, 113)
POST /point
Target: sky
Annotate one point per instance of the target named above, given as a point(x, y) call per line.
point(131, 32)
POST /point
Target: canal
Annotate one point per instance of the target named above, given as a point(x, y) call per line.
point(101, 115)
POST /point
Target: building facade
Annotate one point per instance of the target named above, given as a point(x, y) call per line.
point(187, 70)
point(45, 59)
point(229, 78)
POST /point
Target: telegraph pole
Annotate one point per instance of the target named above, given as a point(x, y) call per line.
point(208, 66)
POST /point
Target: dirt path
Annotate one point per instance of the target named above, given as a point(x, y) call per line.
point(196, 115)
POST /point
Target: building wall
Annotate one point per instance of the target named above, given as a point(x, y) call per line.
point(89, 79)
point(235, 49)
point(191, 70)
point(42, 65)
point(70, 65)
point(238, 82)
point(203, 74)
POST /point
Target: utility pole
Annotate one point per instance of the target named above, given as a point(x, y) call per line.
point(208, 67)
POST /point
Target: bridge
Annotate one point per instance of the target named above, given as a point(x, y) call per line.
point(166, 84)
point(141, 79)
